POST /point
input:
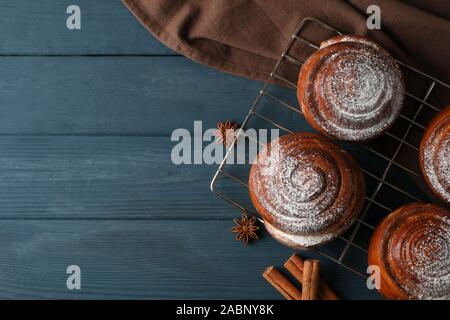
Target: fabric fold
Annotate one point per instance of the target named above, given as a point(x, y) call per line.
point(246, 37)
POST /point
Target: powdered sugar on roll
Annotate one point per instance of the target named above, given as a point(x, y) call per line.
point(416, 251)
point(435, 155)
point(307, 189)
point(351, 89)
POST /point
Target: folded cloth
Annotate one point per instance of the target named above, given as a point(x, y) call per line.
point(246, 37)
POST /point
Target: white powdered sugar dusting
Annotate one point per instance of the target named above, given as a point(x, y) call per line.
point(298, 241)
point(436, 161)
point(424, 255)
point(357, 93)
point(301, 186)
point(432, 262)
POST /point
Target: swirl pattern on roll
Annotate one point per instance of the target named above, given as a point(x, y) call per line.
point(307, 189)
point(412, 248)
point(435, 155)
point(351, 89)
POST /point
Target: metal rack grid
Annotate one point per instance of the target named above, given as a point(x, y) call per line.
point(380, 179)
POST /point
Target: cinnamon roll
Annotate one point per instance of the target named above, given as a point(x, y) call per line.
point(307, 189)
point(435, 155)
point(411, 247)
point(351, 89)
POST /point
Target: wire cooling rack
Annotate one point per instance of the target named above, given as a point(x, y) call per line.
point(392, 177)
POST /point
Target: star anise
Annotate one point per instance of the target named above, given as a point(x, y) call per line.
point(245, 228)
point(226, 132)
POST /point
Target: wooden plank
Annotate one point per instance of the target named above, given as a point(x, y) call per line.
point(116, 95)
point(117, 177)
point(39, 27)
point(51, 177)
point(145, 260)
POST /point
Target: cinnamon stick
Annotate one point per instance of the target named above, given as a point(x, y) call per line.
point(310, 283)
point(282, 284)
point(295, 266)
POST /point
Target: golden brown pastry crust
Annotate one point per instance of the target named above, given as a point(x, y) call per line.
point(435, 155)
point(307, 189)
point(351, 89)
point(411, 246)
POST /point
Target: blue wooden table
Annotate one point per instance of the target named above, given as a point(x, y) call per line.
point(86, 177)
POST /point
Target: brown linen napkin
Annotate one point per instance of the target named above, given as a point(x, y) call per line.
point(245, 37)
